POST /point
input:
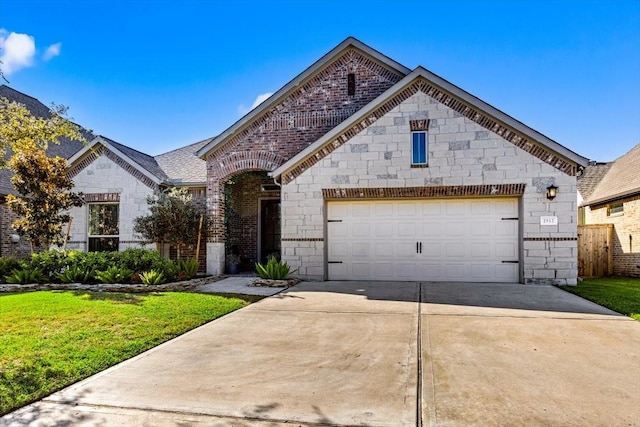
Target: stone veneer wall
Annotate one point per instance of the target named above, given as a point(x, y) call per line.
point(105, 180)
point(461, 153)
point(626, 249)
point(308, 112)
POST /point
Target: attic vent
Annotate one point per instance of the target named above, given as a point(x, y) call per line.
point(351, 84)
point(269, 187)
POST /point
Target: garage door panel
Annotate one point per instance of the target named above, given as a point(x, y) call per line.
point(454, 228)
point(431, 229)
point(406, 229)
point(455, 249)
point(362, 229)
point(455, 208)
point(383, 210)
point(480, 250)
point(424, 240)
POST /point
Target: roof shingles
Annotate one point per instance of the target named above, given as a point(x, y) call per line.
point(621, 180)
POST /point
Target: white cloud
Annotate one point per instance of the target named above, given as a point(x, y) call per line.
point(52, 51)
point(259, 100)
point(17, 51)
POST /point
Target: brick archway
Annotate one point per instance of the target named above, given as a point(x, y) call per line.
point(236, 162)
point(219, 170)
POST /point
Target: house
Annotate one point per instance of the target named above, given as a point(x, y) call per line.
point(362, 169)
point(612, 196)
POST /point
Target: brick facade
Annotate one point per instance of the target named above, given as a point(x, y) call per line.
point(626, 249)
point(8, 248)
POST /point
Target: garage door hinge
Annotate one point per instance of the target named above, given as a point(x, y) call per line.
point(334, 262)
point(334, 220)
point(509, 219)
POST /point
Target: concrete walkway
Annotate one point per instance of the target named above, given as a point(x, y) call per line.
point(376, 354)
point(238, 284)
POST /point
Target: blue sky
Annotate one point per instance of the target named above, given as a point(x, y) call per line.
point(157, 75)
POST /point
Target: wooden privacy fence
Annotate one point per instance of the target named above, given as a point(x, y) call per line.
point(595, 250)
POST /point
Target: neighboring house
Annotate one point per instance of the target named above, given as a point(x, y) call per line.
point(362, 169)
point(615, 199)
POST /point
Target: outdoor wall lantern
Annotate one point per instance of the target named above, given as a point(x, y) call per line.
point(552, 192)
point(15, 238)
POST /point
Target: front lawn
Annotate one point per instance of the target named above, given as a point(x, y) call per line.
point(49, 340)
point(617, 293)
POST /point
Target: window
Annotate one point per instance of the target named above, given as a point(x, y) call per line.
point(616, 209)
point(351, 84)
point(104, 228)
point(419, 148)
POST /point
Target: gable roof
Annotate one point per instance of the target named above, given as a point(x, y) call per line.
point(65, 148)
point(454, 97)
point(591, 177)
point(349, 42)
point(621, 180)
point(140, 162)
point(183, 166)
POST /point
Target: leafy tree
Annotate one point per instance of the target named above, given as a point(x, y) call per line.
point(21, 131)
point(45, 192)
point(41, 182)
point(174, 217)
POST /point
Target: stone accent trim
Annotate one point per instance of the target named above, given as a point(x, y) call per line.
point(101, 150)
point(549, 239)
point(456, 104)
point(424, 192)
point(418, 125)
point(302, 239)
point(101, 197)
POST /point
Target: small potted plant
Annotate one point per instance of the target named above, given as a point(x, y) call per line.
point(233, 263)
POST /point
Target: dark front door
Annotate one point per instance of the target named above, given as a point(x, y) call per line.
point(269, 229)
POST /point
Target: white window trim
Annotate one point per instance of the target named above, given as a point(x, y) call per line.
point(426, 147)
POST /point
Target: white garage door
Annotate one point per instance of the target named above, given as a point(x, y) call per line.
point(418, 240)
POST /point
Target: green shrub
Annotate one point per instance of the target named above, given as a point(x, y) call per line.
point(187, 268)
point(152, 277)
point(274, 269)
point(97, 261)
point(51, 263)
point(7, 265)
point(76, 274)
point(25, 276)
point(114, 274)
point(140, 259)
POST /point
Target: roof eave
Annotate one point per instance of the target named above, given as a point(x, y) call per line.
point(299, 79)
point(612, 198)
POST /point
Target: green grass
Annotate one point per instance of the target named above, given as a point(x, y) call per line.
point(617, 293)
point(49, 340)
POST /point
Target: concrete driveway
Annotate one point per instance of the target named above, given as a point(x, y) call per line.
point(376, 354)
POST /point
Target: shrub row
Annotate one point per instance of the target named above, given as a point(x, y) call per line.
point(134, 265)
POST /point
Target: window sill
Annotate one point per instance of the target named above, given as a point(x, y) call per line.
point(420, 166)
